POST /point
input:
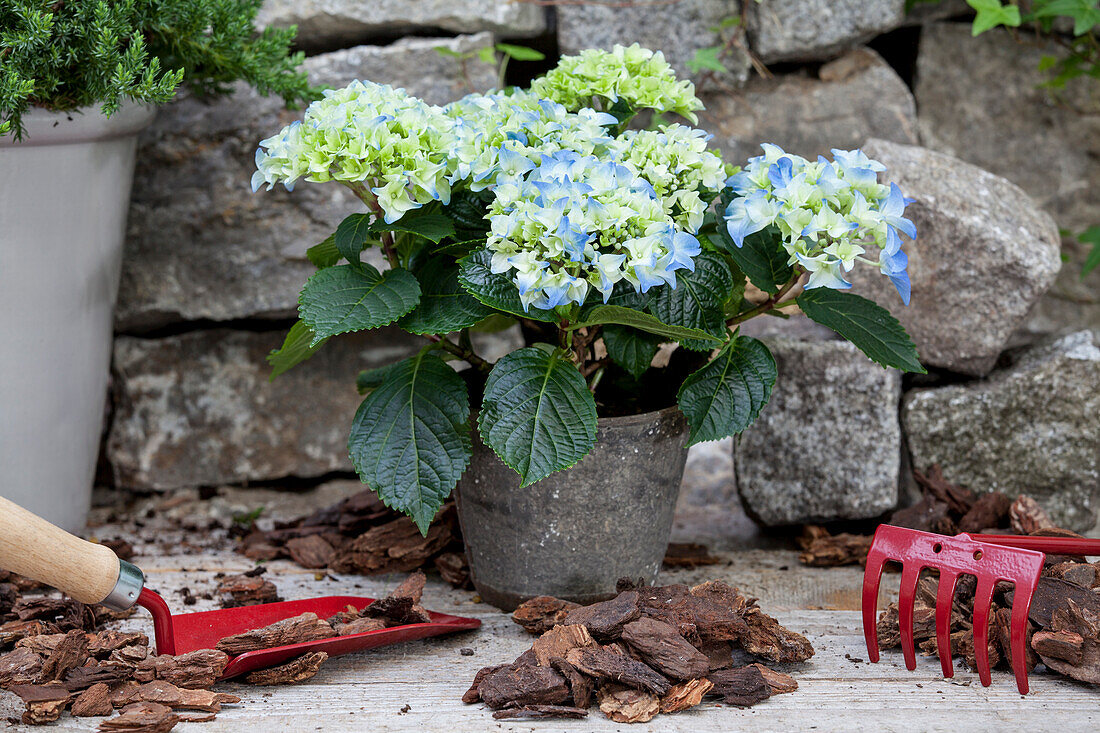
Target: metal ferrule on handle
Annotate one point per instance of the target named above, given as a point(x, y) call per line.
point(130, 583)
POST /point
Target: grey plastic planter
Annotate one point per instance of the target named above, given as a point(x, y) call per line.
point(575, 533)
point(64, 193)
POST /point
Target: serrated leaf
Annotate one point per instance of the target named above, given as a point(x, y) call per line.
point(495, 291)
point(760, 257)
point(350, 298)
point(866, 324)
point(698, 300)
point(630, 348)
point(726, 396)
point(352, 235)
point(602, 314)
point(433, 227)
point(625, 295)
point(537, 413)
point(520, 53)
point(410, 440)
point(298, 346)
point(444, 305)
point(369, 379)
point(467, 210)
point(324, 254)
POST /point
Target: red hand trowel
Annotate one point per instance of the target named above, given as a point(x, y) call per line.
point(90, 573)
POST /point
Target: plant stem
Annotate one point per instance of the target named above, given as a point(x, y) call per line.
point(467, 354)
point(363, 191)
point(596, 379)
point(770, 303)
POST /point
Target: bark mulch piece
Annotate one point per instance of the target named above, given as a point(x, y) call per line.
point(604, 664)
point(542, 613)
point(581, 686)
point(558, 641)
point(45, 703)
point(19, 667)
point(821, 549)
point(743, 686)
point(296, 670)
point(540, 711)
point(472, 695)
point(523, 685)
point(661, 647)
point(93, 702)
point(142, 717)
point(605, 620)
point(193, 670)
point(312, 551)
point(294, 630)
point(454, 569)
point(689, 555)
point(70, 652)
point(626, 704)
point(177, 698)
point(246, 590)
point(685, 695)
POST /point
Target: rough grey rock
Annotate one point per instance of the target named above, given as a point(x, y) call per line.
point(200, 244)
point(984, 254)
point(198, 409)
point(980, 100)
point(1032, 428)
point(678, 29)
point(828, 444)
point(807, 30)
point(854, 97)
point(335, 23)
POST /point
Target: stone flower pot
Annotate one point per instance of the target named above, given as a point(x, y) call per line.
point(576, 532)
point(64, 194)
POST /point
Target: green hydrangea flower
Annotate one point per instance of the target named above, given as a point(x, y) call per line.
point(633, 75)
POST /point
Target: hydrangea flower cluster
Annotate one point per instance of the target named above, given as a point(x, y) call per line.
point(365, 131)
point(829, 214)
point(576, 222)
point(635, 75)
point(500, 136)
point(675, 160)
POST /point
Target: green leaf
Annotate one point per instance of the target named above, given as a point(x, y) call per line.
point(299, 345)
point(1090, 236)
point(410, 440)
point(631, 349)
point(355, 297)
point(537, 414)
point(486, 55)
point(369, 379)
point(992, 13)
point(866, 324)
point(737, 293)
point(433, 227)
point(625, 295)
point(520, 53)
point(709, 58)
point(467, 209)
point(698, 300)
point(495, 290)
point(324, 254)
point(726, 396)
point(352, 235)
point(444, 305)
point(761, 257)
point(618, 315)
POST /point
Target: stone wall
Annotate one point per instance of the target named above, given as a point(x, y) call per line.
point(212, 271)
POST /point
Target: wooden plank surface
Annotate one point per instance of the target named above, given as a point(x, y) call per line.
point(839, 691)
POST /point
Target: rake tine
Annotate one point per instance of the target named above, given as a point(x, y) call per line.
point(983, 600)
point(872, 574)
point(1020, 605)
point(945, 597)
point(909, 575)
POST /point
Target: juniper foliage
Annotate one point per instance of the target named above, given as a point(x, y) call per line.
point(67, 54)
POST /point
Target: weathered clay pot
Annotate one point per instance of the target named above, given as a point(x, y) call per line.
point(575, 533)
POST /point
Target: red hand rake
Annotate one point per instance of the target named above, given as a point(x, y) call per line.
point(990, 558)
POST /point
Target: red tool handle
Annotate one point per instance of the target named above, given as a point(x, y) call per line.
point(1050, 545)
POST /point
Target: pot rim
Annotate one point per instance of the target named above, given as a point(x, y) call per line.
point(87, 124)
point(641, 417)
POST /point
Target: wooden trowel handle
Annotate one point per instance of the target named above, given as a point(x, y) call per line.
point(34, 548)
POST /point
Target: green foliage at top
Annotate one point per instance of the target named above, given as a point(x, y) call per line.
point(67, 55)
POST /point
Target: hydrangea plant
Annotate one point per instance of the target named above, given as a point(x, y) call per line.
point(605, 244)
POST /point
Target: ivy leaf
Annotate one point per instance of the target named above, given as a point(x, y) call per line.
point(698, 301)
point(352, 235)
point(760, 257)
point(726, 396)
point(354, 298)
point(433, 227)
point(324, 254)
point(630, 348)
point(520, 53)
point(410, 440)
point(495, 290)
point(1090, 236)
point(618, 315)
point(992, 13)
point(298, 346)
point(537, 414)
point(444, 305)
point(866, 324)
